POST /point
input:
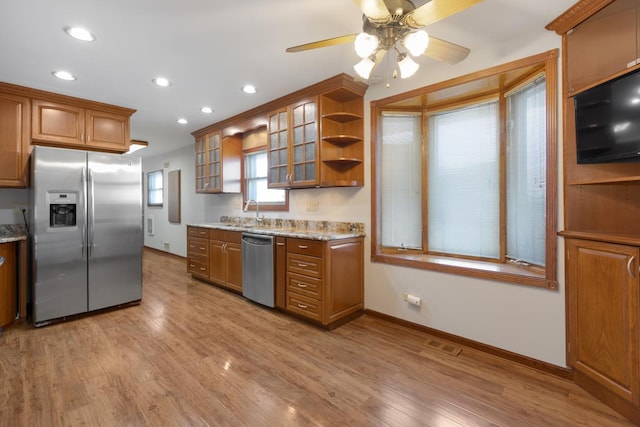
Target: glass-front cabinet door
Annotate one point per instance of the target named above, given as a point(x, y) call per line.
point(201, 165)
point(214, 169)
point(278, 149)
point(304, 143)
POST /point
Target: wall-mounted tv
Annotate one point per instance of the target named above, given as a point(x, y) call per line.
point(608, 121)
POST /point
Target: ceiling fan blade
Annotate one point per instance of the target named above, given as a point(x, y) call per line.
point(435, 11)
point(375, 10)
point(323, 43)
point(445, 51)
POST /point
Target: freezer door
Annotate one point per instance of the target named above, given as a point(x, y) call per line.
point(59, 252)
point(114, 230)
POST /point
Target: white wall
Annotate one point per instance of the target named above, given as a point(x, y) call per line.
point(521, 319)
point(191, 204)
point(10, 199)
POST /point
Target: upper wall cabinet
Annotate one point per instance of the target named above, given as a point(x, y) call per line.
point(315, 136)
point(60, 124)
point(318, 141)
point(218, 163)
point(14, 140)
point(603, 45)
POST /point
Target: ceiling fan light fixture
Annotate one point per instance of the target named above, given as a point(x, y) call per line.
point(365, 44)
point(364, 68)
point(416, 42)
point(408, 66)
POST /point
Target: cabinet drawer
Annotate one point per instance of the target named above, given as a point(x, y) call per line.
point(203, 233)
point(233, 237)
point(304, 285)
point(198, 246)
point(305, 246)
point(217, 234)
point(198, 266)
point(307, 307)
point(306, 265)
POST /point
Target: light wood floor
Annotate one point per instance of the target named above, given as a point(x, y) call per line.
point(195, 355)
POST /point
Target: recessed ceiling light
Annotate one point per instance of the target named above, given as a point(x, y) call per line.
point(206, 110)
point(64, 75)
point(250, 89)
point(79, 33)
point(183, 121)
point(161, 81)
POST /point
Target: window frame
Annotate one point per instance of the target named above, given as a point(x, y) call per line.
point(274, 207)
point(500, 270)
point(151, 177)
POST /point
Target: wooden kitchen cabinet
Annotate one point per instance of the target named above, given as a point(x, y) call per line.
point(14, 140)
point(280, 261)
point(8, 284)
point(604, 316)
point(325, 280)
point(70, 125)
point(225, 258)
point(602, 45)
point(215, 256)
point(218, 163)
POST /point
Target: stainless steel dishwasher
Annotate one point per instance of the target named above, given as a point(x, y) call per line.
point(257, 268)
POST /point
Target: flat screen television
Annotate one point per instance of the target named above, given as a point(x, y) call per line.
point(608, 121)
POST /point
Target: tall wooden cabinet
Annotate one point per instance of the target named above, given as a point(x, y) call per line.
point(14, 140)
point(604, 339)
point(8, 284)
point(602, 207)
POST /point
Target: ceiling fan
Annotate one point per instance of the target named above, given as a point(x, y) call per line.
point(389, 23)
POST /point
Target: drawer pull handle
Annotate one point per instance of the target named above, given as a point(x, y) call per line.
point(303, 305)
point(192, 265)
point(279, 244)
point(202, 248)
point(202, 268)
point(303, 246)
point(191, 246)
point(302, 285)
point(301, 264)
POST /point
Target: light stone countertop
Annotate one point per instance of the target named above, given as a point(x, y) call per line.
point(12, 233)
point(314, 230)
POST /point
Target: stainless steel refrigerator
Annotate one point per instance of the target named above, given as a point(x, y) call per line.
point(86, 227)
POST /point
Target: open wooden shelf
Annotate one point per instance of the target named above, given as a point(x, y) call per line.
point(342, 117)
point(343, 160)
point(342, 139)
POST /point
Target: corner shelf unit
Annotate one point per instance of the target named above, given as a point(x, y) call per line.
point(342, 137)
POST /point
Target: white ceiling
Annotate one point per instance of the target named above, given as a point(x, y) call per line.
point(209, 49)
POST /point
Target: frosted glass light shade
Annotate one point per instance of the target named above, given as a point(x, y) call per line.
point(364, 68)
point(408, 66)
point(365, 44)
point(416, 42)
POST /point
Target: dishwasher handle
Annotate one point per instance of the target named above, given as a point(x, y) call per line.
point(257, 239)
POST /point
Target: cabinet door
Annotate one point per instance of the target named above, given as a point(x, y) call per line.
point(14, 141)
point(602, 280)
point(281, 272)
point(107, 131)
point(304, 143)
point(234, 266)
point(214, 162)
point(8, 283)
point(201, 165)
point(217, 262)
point(57, 123)
point(602, 45)
point(278, 149)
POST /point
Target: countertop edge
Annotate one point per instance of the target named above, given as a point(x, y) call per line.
point(301, 234)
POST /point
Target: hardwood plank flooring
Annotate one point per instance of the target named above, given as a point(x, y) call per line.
point(192, 354)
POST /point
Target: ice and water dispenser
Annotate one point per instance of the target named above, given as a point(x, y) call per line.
point(62, 209)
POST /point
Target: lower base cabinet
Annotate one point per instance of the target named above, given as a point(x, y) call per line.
point(604, 313)
point(8, 284)
point(215, 256)
point(325, 280)
point(320, 281)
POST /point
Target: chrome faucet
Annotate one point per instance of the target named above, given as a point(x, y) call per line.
point(255, 202)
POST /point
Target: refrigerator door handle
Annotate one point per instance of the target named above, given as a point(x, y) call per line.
point(84, 211)
point(91, 213)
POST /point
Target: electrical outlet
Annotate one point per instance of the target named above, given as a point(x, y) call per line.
point(18, 209)
point(313, 206)
point(405, 297)
point(165, 245)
